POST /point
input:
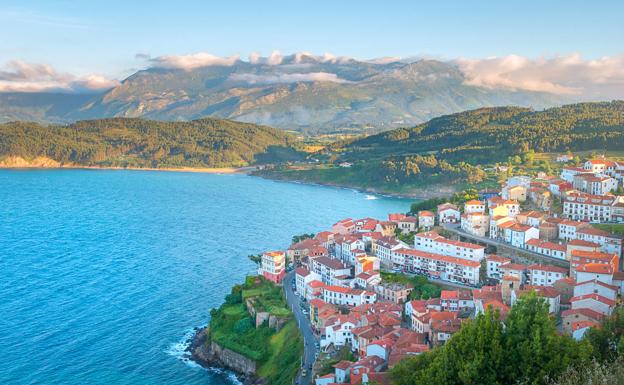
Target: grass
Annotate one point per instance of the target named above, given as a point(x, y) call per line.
point(611, 227)
point(423, 288)
point(284, 352)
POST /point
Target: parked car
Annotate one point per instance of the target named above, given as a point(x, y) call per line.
point(304, 372)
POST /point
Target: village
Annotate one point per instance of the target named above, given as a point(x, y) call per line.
point(339, 276)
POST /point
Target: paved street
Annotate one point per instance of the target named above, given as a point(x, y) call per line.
point(304, 327)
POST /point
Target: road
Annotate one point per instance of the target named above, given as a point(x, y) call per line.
point(488, 241)
point(309, 350)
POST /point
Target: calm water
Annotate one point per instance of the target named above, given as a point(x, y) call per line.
point(103, 273)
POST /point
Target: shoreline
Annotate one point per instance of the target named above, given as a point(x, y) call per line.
point(206, 170)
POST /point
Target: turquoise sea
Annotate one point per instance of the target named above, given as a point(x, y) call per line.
point(103, 273)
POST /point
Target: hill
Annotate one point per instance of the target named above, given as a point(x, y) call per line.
point(448, 151)
point(303, 92)
point(126, 142)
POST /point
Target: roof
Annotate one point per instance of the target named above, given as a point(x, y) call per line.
point(546, 245)
point(425, 213)
point(439, 257)
point(329, 262)
point(550, 268)
point(474, 202)
point(595, 297)
point(596, 268)
point(344, 364)
point(597, 282)
point(447, 206)
point(513, 266)
point(580, 242)
point(302, 271)
point(316, 284)
point(598, 232)
point(584, 324)
point(587, 312)
point(497, 258)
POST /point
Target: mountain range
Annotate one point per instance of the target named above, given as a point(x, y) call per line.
point(303, 93)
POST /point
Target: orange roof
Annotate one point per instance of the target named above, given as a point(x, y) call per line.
point(316, 284)
point(596, 268)
point(497, 258)
point(439, 257)
point(584, 324)
point(596, 297)
point(474, 202)
point(580, 242)
point(425, 213)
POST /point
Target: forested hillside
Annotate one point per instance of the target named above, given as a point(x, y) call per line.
point(146, 143)
point(449, 150)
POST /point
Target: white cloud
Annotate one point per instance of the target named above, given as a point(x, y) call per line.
point(254, 58)
point(192, 61)
point(567, 75)
point(19, 76)
point(288, 78)
point(275, 58)
point(384, 60)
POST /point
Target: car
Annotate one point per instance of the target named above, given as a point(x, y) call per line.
point(304, 372)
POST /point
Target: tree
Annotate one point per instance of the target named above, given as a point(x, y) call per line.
point(255, 258)
point(608, 340)
point(301, 237)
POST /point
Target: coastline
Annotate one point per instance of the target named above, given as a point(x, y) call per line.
point(18, 163)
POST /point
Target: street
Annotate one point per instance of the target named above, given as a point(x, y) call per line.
point(305, 327)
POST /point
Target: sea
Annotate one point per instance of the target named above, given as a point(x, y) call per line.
point(104, 274)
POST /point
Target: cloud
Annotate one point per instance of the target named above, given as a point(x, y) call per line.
point(192, 61)
point(254, 58)
point(566, 75)
point(325, 58)
point(288, 78)
point(20, 76)
point(275, 58)
point(142, 56)
point(384, 60)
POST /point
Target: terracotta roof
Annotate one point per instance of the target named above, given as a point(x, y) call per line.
point(580, 242)
point(596, 268)
point(594, 296)
point(331, 263)
point(550, 268)
point(425, 213)
point(497, 258)
point(584, 324)
point(598, 282)
point(587, 312)
point(302, 271)
point(439, 257)
point(474, 202)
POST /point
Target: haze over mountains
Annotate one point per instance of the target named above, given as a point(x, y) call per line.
point(300, 92)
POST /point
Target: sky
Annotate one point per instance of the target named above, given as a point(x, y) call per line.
point(88, 42)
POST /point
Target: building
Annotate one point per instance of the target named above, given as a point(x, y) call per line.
point(448, 213)
point(609, 243)
point(518, 235)
point(440, 266)
point(568, 228)
point(517, 193)
point(435, 243)
point(302, 278)
point(273, 266)
point(426, 220)
point(475, 223)
point(494, 263)
point(569, 317)
point(594, 184)
point(408, 225)
point(383, 249)
point(610, 263)
point(550, 249)
point(545, 275)
point(474, 206)
point(594, 302)
point(393, 292)
point(456, 300)
point(588, 207)
point(330, 270)
point(344, 296)
point(344, 226)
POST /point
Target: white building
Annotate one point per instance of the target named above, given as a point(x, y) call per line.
point(545, 275)
point(588, 207)
point(518, 235)
point(330, 270)
point(475, 223)
point(344, 296)
point(435, 243)
point(550, 249)
point(494, 263)
point(448, 213)
point(609, 243)
point(444, 267)
point(474, 206)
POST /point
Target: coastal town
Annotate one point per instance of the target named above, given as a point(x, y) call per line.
point(351, 289)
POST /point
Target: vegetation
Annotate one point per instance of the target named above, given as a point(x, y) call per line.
point(301, 237)
point(616, 228)
point(276, 352)
point(423, 288)
point(146, 143)
point(451, 149)
point(524, 348)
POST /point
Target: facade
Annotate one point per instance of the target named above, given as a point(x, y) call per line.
point(343, 296)
point(518, 235)
point(494, 263)
point(439, 266)
point(609, 243)
point(448, 213)
point(475, 223)
point(426, 220)
point(550, 249)
point(393, 292)
point(545, 275)
point(434, 243)
point(588, 207)
point(329, 269)
point(273, 266)
point(474, 206)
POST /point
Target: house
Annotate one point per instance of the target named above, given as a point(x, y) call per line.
point(548, 293)
point(550, 249)
point(329, 269)
point(493, 265)
point(565, 286)
point(588, 207)
point(545, 275)
point(594, 184)
point(474, 206)
point(531, 218)
point(513, 270)
point(580, 328)
point(456, 300)
point(577, 244)
point(475, 223)
point(387, 228)
point(408, 225)
point(596, 302)
point(498, 224)
point(569, 317)
point(505, 207)
point(337, 331)
point(448, 213)
point(300, 250)
point(347, 246)
point(302, 277)
point(365, 263)
point(365, 225)
point(443, 330)
point(313, 289)
point(568, 228)
point(273, 266)
point(603, 264)
point(609, 243)
point(345, 226)
point(393, 292)
point(440, 266)
point(433, 242)
point(426, 219)
point(344, 296)
point(568, 173)
point(548, 231)
point(518, 235)
point(596, 287)
point(559, 187)
point(517, 193)
point(367, 280)
point(384, 247)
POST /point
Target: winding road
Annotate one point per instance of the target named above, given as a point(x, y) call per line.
point(309, 350)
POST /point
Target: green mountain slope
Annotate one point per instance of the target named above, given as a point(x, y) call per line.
point(449, 150)
point(145, 143)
